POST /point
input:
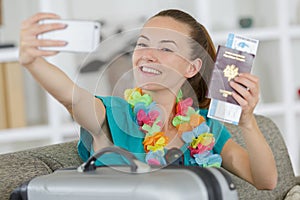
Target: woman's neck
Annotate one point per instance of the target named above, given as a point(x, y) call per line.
point(165, 100)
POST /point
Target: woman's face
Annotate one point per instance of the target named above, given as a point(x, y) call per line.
point(160, 59)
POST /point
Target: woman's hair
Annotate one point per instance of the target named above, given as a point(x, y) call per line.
point(206, 53)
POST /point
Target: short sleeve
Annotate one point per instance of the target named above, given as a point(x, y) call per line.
point(84, 146)
point(124, 131)
point(221, 133)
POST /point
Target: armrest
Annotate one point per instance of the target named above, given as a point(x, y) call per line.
point(58, 156)
point(16, 168)
point(19, 167)
point(298, 180)
point(286, 177)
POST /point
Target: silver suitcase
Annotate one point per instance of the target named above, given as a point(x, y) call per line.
point(136, 181)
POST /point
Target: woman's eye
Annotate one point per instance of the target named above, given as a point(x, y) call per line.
point(166, 49)
point(141, 45)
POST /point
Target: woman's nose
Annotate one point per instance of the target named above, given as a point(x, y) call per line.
point(149, 54)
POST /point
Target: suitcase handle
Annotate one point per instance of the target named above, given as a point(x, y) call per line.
point(89, 165)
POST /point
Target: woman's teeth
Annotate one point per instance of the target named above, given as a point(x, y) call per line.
point(150, 70)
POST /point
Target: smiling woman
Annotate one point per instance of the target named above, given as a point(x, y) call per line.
point(159, 62)
point(167, 108)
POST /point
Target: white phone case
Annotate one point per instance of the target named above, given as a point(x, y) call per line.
point(80, 35)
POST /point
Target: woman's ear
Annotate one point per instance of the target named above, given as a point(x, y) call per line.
point(193, 68)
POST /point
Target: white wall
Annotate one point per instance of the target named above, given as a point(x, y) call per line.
point(116, 14)
point(13, 15)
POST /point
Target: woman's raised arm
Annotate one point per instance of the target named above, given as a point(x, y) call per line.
point(88, 111)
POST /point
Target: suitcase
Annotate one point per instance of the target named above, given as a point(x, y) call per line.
point(135, 181)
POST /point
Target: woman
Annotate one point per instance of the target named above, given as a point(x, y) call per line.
point(169, 51)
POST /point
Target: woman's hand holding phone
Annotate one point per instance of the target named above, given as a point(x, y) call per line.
point(29, 43)
point(45, 34)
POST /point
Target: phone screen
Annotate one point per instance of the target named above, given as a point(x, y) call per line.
point(80, 35)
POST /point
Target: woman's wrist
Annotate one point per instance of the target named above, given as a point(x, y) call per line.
point(249, 124)
point(37, 64)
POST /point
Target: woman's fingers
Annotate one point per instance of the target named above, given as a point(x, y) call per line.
point(39, 53)
point(250, 82)
point(35, 29)
point(42, 43)
point(37, 17)
point(31, 30)
point(30, 42)
point(42, 28)
point(246, 87)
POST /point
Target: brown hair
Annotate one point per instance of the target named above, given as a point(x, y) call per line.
point(198, 33)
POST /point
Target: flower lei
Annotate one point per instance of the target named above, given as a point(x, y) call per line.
point(189, 123)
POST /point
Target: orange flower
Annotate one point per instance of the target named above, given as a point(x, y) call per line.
point(184, 127)
point(196, 120)
point(156, 141)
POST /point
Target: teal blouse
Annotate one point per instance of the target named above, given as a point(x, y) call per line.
point(126, 134)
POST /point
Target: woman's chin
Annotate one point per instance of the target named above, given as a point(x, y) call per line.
point(150, 86)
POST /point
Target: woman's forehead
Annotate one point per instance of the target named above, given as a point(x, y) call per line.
point(160, 33)
point(155, 33)
point(167, 25)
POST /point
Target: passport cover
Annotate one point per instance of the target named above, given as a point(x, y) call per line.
point(229, 63)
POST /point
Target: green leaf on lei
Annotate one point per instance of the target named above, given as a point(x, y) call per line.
point(152, 129)
point(179, 119)
point(179, 96)
point(136, 97)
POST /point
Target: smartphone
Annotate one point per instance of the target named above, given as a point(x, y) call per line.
point(80, 35)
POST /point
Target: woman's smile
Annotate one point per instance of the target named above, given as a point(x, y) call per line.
point(149, 70)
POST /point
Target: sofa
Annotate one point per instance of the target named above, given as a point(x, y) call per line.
point(18, 167)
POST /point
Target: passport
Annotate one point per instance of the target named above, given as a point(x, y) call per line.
point(229, 63)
